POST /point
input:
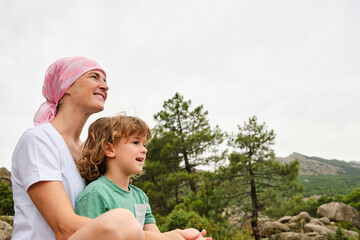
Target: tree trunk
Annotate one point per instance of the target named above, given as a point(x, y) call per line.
point(189, 170)
point(185, 153)
point(254, 215)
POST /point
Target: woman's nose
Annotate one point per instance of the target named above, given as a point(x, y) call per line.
point(104, 86)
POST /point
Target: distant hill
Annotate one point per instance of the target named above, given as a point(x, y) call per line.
point(355, 164)
point(321, 166)
point(322, 176)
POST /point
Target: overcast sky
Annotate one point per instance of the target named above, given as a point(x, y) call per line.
point(293, 64)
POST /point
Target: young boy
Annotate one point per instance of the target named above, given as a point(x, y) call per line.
point(113, 152)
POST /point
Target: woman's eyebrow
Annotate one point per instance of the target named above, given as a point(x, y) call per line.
point(97, 75)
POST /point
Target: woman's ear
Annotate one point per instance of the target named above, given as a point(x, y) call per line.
point(68, 91)
point(109, 150)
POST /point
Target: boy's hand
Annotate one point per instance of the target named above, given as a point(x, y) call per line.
point(186, 234)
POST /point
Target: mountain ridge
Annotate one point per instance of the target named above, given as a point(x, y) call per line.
point(321, 176)
point(321, 166)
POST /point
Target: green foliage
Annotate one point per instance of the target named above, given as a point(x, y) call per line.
point(165, 190)
point(297, 204)
point(324, 199)
point(292, 207)
point(182, 141)
point(346, 225)
point(353, 199)
point(182, 196)
point(189, 219)
point(187, 134)
point(6, 200)
point(207, 202)
point(339, 235)
point(253, 174)
point(183, 219)
point(329, 184)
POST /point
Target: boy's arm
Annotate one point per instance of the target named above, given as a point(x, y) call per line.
point(91, 205)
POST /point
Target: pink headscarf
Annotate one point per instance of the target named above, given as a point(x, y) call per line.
point(58, 78)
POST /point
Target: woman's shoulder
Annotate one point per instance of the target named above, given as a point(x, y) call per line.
point(39, 137)
point(41, 131)
point(36, 157)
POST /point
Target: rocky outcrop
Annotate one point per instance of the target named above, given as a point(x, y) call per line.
point(273, 227)
point(304, 227)
point(299, 227)
point(339, 212)
point(322, 230)
point(309, 166)
point(5, 230)
point(5, 176)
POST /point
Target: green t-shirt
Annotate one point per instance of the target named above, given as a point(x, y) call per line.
point(103, 195)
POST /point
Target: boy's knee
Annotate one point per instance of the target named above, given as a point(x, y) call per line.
point(121, 224)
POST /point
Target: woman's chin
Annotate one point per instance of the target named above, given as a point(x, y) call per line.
point(98, 109)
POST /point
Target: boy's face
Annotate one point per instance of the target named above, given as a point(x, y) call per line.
point(130, 155)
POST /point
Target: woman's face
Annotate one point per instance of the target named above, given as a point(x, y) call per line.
point(89, 92)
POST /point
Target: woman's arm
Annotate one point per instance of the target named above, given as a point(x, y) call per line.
point(53, 203)
point(51, 200)
point(151, 227)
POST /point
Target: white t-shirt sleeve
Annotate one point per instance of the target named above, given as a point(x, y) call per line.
point(37, 158)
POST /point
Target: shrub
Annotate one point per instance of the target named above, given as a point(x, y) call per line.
point(182, 219)
point(6, 200)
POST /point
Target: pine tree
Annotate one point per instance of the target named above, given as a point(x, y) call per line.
point(190, 137)
point(182, 141)
point(253, 174)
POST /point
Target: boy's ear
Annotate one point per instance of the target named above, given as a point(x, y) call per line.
point(109, 150)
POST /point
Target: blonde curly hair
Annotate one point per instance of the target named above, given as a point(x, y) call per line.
point(107, 130)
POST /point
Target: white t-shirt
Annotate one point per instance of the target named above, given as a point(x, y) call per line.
point(40, 155)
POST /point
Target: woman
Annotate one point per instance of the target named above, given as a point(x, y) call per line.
point(44, 174)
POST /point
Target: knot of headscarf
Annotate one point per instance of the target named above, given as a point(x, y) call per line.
point(58, 78)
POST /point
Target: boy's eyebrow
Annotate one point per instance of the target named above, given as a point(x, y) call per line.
point(137, 137)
